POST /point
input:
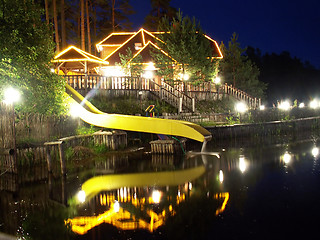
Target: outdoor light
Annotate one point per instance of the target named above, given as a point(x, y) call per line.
point(314, 104)
point(11, 95)
point(217, 80)
point(81, 196)
point(156, 196)
point(242, 164)
point(301, 105)
point(186, 76)
point(148, 74)
point(315, 152)
point(150, 66)
point(221, 176)
point(76, 110)
point(241, 107)
point(262, 107)
point(52, 70)
point(285, 105)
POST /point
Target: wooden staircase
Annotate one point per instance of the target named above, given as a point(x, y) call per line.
point(172, 96)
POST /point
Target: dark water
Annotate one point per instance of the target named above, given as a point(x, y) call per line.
point(257, 192)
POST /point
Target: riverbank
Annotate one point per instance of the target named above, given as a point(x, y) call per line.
point(274, 131)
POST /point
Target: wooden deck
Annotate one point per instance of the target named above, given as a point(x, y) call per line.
point(173, 94)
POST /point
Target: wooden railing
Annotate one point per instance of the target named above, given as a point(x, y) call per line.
point(213, 88)
point(163, 90)
point(173, 94)
point(242, 96)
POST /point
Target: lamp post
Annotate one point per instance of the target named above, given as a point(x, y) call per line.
point(11, 96)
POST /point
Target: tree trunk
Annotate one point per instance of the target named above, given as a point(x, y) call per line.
point(47, 11)
point(88, 26)
point(55, 19)
point(83, 40)
point(63, 26)
point(95, 28)
point(112, 14)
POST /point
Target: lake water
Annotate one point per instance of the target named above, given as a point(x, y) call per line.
point(255, 192)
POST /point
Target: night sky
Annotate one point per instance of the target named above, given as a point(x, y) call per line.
point(270, 25)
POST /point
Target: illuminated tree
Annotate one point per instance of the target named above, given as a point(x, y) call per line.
point(26, 49)
point(129, 65)
point(184, 40)
point(235, 68)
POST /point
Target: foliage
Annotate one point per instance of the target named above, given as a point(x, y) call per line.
point(184, 40)
point(85, 130)
point(130, 65)
point(288, 77)
point(238, 70)
point(232, 120)
point(129, 105)
point(26, 48)
point(159, 9)
point(104, 18)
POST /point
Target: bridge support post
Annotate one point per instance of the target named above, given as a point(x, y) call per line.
point(180, 105)
point(193, 105)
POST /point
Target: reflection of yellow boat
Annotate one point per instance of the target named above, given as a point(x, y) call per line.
point(170, 178)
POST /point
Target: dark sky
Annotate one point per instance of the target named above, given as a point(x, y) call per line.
point(271, 25)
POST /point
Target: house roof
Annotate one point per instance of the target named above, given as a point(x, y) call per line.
point(75, 58)
point(137, 41)
point(145, 53)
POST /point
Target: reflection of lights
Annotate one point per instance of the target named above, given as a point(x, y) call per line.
point(11, 95)
point(81, 196)
point(315, 152)
point(286, 157)
point(116, 206)
point(285, 105)
point(242, 164)
point(241, 107)
point(221, 176)
point(190, 186)
point(156, 196)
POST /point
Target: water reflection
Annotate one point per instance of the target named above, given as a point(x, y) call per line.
point(190, 197)
point(140, 200)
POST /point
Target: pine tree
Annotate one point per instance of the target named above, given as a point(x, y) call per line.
point(159, 9)
point(236, 69)
point(184, 40)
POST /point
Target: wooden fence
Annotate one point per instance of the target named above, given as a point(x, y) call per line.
point(173, 91)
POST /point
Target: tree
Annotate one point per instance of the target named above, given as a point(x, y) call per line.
point(56, 28)
point(238, 70)
point(159, 9)
point(26, 49)
point(184, 40)
point(129, 65)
